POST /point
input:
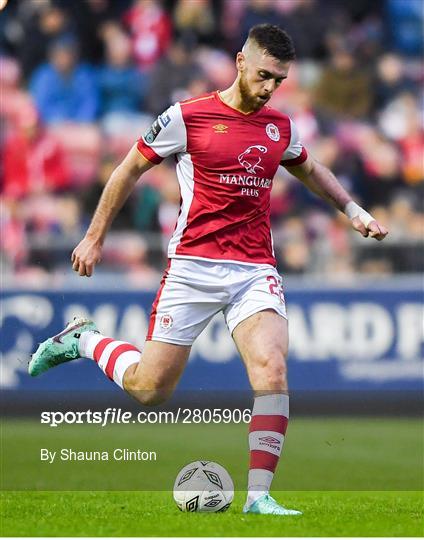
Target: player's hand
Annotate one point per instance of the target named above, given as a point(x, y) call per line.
point(85, 256)
point(373, 229)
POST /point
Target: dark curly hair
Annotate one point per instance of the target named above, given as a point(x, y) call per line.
point(275, 41)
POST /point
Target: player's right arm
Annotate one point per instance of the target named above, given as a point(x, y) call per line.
point(166, 136)
point(119, 186)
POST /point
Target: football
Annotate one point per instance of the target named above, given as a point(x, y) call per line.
point(203, 486)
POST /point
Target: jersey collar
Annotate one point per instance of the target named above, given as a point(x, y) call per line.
point(236, 111)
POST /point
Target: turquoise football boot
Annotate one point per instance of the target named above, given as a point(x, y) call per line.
point(267, 505)
point(60, 348)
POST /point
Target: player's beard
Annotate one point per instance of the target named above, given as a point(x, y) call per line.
point(250, 100)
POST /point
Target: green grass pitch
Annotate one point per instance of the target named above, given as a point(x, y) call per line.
point(350, 477)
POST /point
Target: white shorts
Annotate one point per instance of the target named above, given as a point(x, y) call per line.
point(193, 291)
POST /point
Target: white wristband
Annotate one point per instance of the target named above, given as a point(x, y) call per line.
point(353, 210)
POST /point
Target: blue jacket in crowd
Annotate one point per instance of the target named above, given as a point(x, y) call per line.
point(59, 98)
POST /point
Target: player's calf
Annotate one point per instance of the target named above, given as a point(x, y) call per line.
point(153, 380)
point(144, 375)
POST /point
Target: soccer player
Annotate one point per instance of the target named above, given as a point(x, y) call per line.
point(228, 146)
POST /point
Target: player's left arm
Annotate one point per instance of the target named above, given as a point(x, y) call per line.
point(321, 181)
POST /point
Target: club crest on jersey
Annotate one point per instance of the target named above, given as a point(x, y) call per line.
point(250, 158)
point(272, 132)
point(166, 321)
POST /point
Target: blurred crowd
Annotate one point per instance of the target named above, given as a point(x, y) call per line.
point(81, 81)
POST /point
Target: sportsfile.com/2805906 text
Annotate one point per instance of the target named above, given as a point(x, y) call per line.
point(113, 415)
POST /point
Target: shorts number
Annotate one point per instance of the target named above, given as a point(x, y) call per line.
point(275, 287)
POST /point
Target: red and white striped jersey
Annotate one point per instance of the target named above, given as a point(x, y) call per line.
point(226, 161)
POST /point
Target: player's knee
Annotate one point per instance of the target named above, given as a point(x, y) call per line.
point(271, 371)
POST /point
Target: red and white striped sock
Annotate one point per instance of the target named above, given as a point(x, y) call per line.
point(113, 357)
point(268, 426)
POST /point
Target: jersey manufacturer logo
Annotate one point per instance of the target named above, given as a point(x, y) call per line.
point(250, 158)
point(166, 321)
point(220, 128)
point(272, 132)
